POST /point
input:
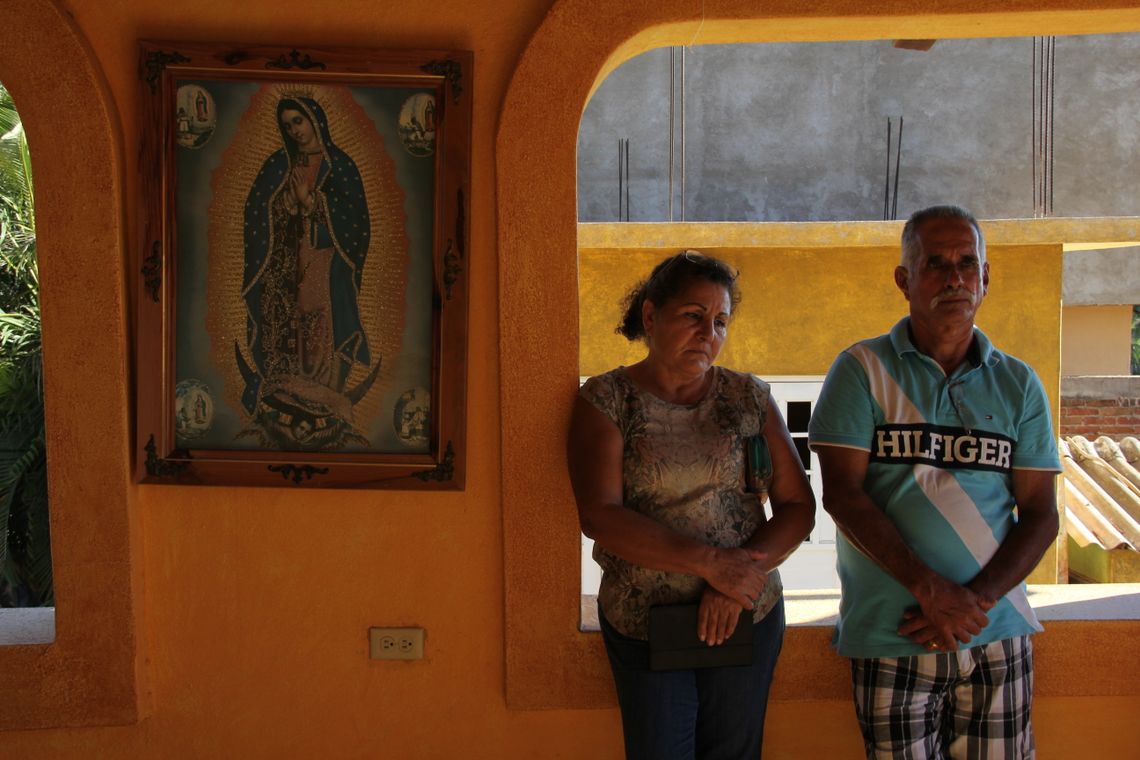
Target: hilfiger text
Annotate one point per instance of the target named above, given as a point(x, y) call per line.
point(943, 447)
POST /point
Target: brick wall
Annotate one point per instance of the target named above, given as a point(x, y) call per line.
point(1113, 417)
point(1096, 405)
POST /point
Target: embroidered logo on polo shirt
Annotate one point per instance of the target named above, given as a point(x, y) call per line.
point(948, 448)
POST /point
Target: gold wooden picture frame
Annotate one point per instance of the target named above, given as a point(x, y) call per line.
point(301, 306)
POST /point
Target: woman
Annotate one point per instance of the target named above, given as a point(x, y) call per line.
point(306, 234)
point(657, 460)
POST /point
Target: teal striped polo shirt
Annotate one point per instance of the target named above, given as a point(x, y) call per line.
point(942, 451)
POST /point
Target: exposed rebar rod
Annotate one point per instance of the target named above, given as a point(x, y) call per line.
point(620, 179)
point(887, 176)
point(1041, 112)
point(1052, 113)
point(683, 200)
point(623, 179)
point(672, 118)
point(1038, 124)
point(898, 166)
point(891, 197)
point(627, 179)
point(1043, 102)
point(1033, 124)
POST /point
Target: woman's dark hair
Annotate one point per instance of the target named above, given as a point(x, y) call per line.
point(669, 279)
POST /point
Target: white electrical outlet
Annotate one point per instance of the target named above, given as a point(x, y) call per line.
point(396, 643)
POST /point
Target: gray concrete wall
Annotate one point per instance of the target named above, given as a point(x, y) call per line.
point(1093, 387)
point(797, 131)
point(1095, 278)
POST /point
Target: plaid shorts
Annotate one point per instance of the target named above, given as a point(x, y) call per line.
point(973, 703)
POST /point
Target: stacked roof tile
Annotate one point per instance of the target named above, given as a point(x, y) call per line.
point(1102, 491)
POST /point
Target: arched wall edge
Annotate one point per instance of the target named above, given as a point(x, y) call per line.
point(92, 674)
point(548, 663)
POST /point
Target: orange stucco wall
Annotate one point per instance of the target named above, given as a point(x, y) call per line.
point(214, 622)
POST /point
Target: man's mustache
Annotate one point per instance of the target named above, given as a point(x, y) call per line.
point(954, 294)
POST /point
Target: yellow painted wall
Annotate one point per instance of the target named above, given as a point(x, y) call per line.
point(1096, 340)
point(219, 622)
point(803, 305)
point(1093, 564)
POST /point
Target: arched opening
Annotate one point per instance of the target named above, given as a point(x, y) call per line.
point(813, 132)
point(549, 663)
point(73, 134)
point(25, 572)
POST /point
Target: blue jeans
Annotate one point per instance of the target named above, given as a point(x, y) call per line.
point(704, 714)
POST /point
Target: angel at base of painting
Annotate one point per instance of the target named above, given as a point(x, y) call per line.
point(306, 236)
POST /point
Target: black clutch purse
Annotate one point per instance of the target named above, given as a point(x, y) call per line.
point(673, 642)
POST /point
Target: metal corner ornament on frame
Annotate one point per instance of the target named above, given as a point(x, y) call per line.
point(302, 312)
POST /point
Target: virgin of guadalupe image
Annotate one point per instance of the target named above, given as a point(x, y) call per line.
point(306, 235)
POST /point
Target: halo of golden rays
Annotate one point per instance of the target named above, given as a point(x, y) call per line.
point(384, 279)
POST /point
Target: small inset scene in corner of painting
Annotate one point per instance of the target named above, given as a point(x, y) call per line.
point(195, 117)
point(193, 409)
point(412, 417)
point(417, 124)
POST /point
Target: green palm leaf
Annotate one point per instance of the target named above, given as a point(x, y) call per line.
point(25, 550)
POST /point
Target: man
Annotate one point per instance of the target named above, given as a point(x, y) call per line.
point(928, 438)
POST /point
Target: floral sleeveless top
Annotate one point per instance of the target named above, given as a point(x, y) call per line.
point(683, 466)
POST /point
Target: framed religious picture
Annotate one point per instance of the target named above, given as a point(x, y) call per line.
point(302, 297)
